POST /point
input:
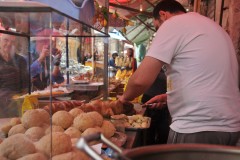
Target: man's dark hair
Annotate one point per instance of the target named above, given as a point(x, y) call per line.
point(114, 54)
point(171, 6)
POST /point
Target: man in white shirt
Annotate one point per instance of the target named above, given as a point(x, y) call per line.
point(202, 76)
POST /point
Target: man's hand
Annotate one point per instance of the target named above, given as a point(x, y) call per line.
point(44, 53)
point(122, 99)
point(57, 59)
point(157, 102)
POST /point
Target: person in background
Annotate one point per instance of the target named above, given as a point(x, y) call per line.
point(129, 61)
point(202, 93)
point(112, 64)
point(111, 61)
point(13, 67)
point(160, 118)
point(14, 77)
point(40, 68)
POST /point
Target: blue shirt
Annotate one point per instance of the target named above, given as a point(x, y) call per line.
point(40, 78)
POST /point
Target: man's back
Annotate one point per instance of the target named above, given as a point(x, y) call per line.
point(202, 78)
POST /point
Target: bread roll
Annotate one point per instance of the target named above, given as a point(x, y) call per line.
point(3, 158)
point(35, 156)
point(5, 129)
point(60, 143)
point(90, 131)
point(73, 132)
point(35, 118)
point(83, 121)
point(74, 155)
point(35, 133)
point(74, 141)
point(54, 128)
point(63, 119)
point(45, 115)
point(108, 129)
point(98, 118)
point(17, 146)
point(14, 121)
point(16, 129)
point(75, 112)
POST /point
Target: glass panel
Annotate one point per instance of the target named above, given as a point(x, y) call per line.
point(41, 49)
point(14, 22)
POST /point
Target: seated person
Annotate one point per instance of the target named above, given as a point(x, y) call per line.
point(129, 61)
point(40, 73)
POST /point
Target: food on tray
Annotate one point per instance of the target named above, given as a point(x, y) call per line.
point(35, 133)
point(16, 129)
point(83, 76)
point(108, 108)
point(63, 105)
point(63, 119)
point(108, 129)
point(35, 118)
point(138, 121)
point(47, 92)
point(55, 143)
point(34, 156)
point(17, 146)
point(73, 132)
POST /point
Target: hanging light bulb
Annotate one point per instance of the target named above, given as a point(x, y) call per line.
point(141, 7)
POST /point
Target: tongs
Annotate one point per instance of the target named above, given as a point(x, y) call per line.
point(150, 104)
point(83, 145)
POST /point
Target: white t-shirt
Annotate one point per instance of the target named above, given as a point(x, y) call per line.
point(202, 74)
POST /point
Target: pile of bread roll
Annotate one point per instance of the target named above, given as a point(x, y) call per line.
point(29, 138)
point(105, 108)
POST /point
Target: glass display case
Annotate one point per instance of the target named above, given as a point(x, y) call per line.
point(46, 56)
point(45, 52)
point(52, 79)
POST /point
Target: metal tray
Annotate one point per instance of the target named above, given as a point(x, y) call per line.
point(163, 152)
